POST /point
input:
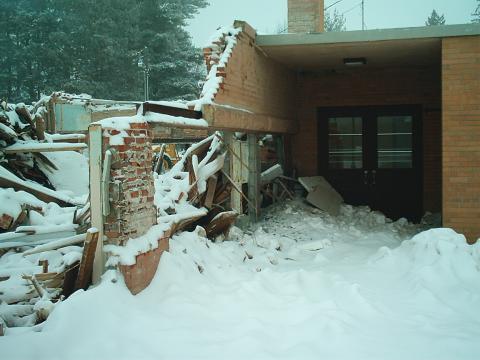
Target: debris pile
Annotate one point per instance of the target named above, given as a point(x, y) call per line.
point(44, 215)
point(26, 167)
point(196, 191)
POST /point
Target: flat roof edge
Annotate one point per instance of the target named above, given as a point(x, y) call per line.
point(423, 32)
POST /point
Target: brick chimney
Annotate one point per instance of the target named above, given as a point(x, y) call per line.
point(305, 16)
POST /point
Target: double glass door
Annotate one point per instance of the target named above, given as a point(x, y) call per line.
point(372, 156)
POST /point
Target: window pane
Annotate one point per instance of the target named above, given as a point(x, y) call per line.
point(394, 140)
point(345, 143)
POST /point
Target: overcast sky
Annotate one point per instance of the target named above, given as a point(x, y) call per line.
point(269, 15)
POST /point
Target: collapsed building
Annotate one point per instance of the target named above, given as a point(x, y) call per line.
point(388, 118)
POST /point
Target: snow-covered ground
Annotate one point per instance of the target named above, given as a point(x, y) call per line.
point(303, 285)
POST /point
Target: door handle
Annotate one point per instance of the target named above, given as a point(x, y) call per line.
point(374, 177)
point(365, 177)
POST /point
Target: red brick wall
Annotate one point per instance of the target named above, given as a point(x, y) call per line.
point(254, 82)
point(131, 201)
point(461, 134)
point(305, 16)
point(362, 87)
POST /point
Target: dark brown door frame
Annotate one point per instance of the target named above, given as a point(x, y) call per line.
point(370, 160)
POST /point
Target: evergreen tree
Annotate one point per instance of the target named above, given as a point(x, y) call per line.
point(435, 19)
point(94, 46)
point(335, 21)
point(476, 14)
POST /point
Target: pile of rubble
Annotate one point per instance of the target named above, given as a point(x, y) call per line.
point(195, 192)
point(45, 250)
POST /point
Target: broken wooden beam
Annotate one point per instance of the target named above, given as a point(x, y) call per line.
point(57, 244)
point(9, 180)
point(85, 270)
point(34, 147)
point(170, 110)
point(211, 188)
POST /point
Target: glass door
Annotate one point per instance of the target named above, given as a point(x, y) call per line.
point(372, 156)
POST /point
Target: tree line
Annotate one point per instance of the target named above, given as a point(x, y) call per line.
point(336, 21)
point(99, 47)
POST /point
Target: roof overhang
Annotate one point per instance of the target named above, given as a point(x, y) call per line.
point(419, 46)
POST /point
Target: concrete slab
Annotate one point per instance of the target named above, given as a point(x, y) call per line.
point(321, 194)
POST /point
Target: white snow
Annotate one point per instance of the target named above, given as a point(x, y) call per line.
point(11, 202)
point(371, 292)
point(5, 174)
point(71, 178)
point(125, 255)
point(152, 117)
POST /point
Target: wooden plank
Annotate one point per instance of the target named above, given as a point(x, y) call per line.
point(86, 264)
point(96, 211)
point(230, 119)
point(253, 178)
point(47, 276)
point(56, 244)
point(42, 147)
point(106, 183)
point(211, 188)
point(171, 110)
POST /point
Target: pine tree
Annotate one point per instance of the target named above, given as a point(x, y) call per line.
point(435, 19)
point(94, 46)
point(476, 14)
point(335, 21)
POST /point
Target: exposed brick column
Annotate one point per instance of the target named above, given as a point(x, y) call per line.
point(132, 211)
point(461, 134)
point(305, 16)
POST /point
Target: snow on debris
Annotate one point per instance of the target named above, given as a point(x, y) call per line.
point(11, 202)
point(372, 290)
point(121, 124)
point(171, 200)
point(71, 176)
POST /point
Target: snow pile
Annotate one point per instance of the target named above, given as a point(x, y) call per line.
point(301, 285)
point(20, 305)
point(436, 260)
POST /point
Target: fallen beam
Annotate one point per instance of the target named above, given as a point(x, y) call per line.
point(57, 244)
point(222, 117)
point(35, 147)
point(9, 180)
point(85, 271)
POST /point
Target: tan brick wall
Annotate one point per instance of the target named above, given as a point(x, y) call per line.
point(305, 16)
point(461, 134)
point(362, 87)
point(254, 82)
